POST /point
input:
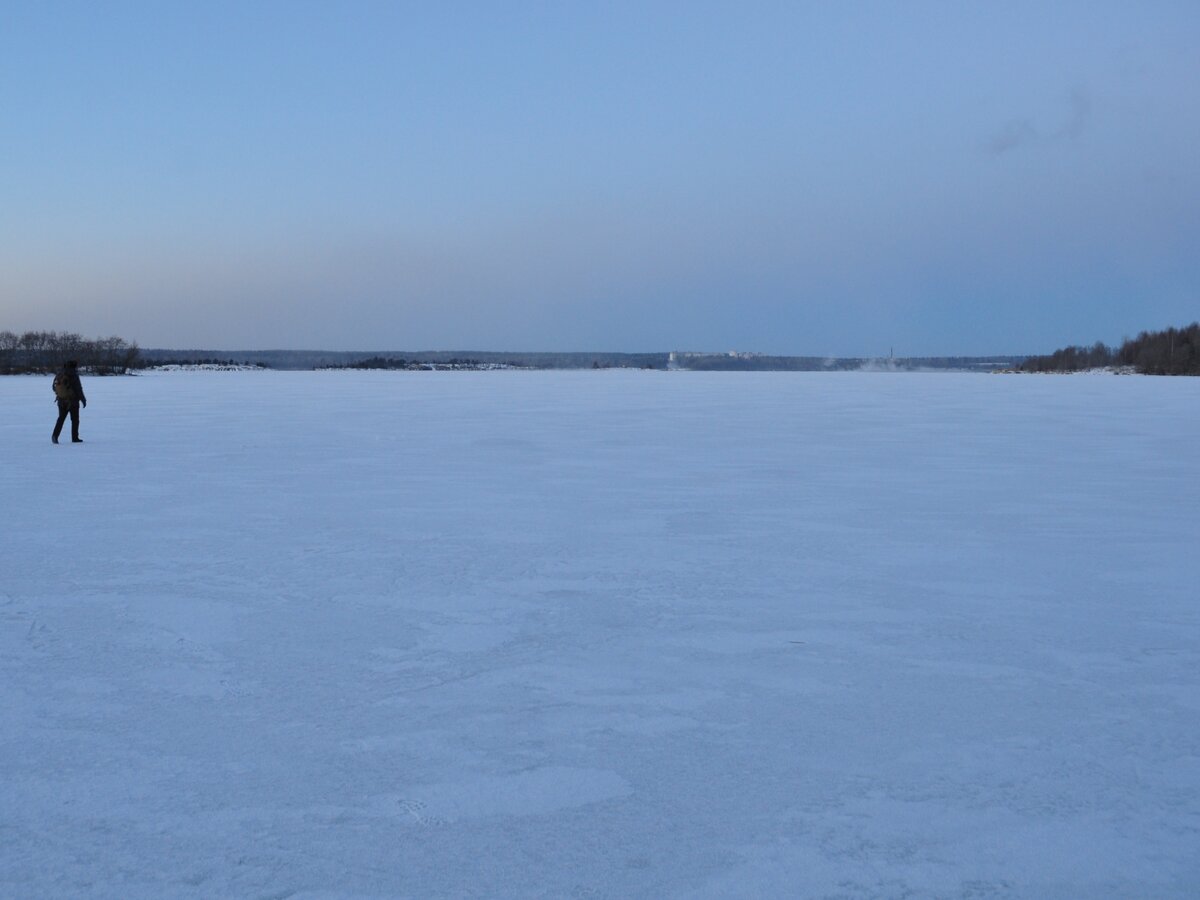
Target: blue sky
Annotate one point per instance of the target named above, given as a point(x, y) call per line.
point(807, 178)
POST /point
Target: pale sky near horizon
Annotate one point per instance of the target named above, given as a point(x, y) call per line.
point(801, 178)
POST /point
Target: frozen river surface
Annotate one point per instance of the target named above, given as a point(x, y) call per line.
point(601, 634)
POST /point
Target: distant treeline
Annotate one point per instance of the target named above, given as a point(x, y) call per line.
point(46, 351)
point(202, 361)
point(1175, 351)
point(391, 362)
point(746, 362)
point(422, 359)
point(322, 359)
point(443, 363)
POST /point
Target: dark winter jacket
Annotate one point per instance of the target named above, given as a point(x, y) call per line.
point(69, 378)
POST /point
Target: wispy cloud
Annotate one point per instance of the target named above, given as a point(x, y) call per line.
point(1012, 136)
point(1081, 112)
point(1023, 132)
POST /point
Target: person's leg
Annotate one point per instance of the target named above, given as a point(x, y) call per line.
point(62, 417)
point(75, 423)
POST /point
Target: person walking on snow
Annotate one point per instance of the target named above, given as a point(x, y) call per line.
point(68, 391)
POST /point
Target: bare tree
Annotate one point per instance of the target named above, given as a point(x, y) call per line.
point(45, 351)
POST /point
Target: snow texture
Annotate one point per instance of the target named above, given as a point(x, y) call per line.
point(601, 634)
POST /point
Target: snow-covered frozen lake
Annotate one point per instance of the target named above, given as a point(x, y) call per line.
point(601, 634)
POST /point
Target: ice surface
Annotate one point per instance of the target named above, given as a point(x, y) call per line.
point(601, 634)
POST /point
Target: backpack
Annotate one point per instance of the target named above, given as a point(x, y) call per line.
point(62, 387)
